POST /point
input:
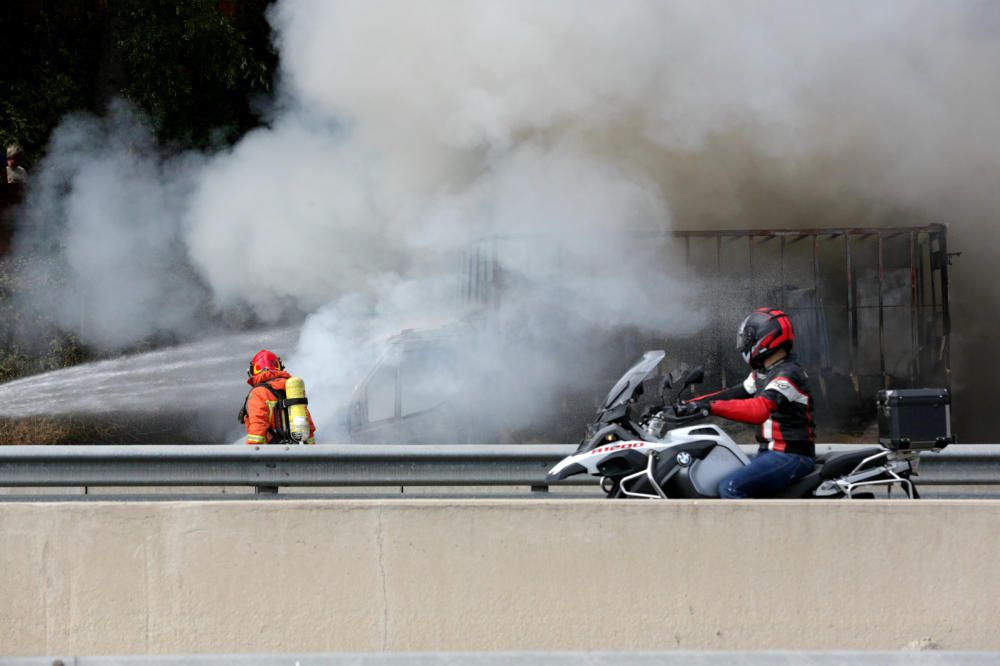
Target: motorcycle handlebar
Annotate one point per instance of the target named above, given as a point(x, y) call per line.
point(672, 415)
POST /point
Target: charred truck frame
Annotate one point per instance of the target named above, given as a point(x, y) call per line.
point(870, 307)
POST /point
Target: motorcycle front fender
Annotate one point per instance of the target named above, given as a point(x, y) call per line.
point(556, 474)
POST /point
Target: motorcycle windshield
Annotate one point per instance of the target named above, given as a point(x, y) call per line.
point(632, 379)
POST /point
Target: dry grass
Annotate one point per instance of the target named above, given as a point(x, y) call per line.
point(43, 430)
point(93, 429)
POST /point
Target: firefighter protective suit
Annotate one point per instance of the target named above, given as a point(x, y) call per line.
point(263, 418)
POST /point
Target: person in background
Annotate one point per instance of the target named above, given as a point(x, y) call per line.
point(265, 410)
point(776, 395)
point(15, 166)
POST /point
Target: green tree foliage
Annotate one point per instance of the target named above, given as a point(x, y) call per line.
point(194, 65)
point(48, 66)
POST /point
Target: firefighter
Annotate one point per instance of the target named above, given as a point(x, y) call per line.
point(776, 396)
point(266, 408)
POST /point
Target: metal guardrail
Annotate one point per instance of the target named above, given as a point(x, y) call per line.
point(269, 466)
point(353, 465)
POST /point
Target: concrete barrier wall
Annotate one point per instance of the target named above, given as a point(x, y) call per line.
point(408, 575)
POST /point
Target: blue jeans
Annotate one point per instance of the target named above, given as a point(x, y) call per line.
point(766, 474)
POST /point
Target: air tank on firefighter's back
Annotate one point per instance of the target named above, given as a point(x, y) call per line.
point(298, 421)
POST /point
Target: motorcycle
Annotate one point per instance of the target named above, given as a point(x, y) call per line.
point(665, 454)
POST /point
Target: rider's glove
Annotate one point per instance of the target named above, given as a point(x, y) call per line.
point(688, 409)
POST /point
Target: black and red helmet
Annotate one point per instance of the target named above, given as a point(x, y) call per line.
point(762, 333)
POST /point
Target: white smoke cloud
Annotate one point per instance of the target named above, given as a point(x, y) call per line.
point(288, 218)
point(106, 209)
point(412, 131)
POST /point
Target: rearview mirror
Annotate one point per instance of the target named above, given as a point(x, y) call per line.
point(680, 379)
point(675, 378)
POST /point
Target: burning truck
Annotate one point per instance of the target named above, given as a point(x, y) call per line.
point(870, 308)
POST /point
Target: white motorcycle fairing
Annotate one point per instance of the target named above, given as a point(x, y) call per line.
point(723, 458)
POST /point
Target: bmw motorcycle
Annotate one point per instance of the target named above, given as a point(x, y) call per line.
point(661, 454)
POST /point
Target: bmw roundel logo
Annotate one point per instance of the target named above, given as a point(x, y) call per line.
point(683, 458)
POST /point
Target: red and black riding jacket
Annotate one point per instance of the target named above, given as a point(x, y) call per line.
point(779, 399)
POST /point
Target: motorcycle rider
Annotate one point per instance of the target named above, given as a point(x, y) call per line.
point(265, 421)
point(776, 395)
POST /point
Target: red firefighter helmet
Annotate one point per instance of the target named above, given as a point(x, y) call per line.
point(762, 333)
point(264, 360)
